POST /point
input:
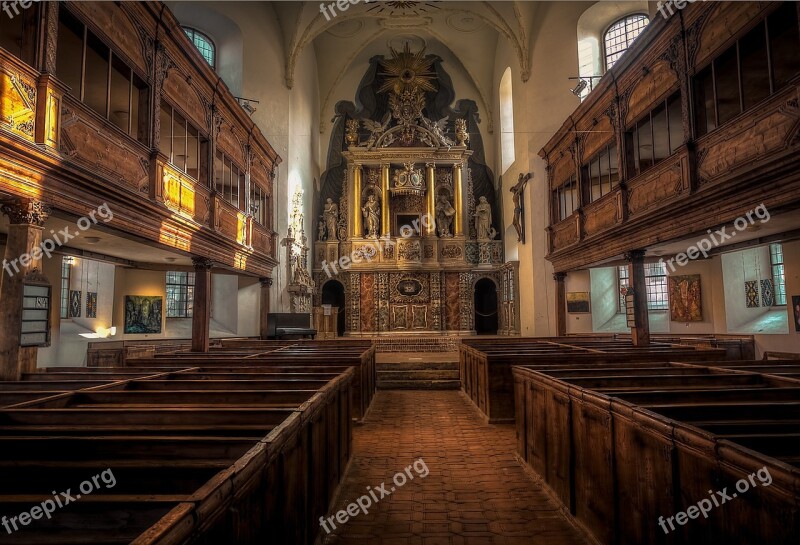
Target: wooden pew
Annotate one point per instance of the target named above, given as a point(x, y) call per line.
point(620, 449)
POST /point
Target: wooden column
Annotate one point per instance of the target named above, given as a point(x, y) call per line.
point(561, 303)
point(266, 284)
point(201, 315)
point(640, 333)
point(430, 178)
point(385, 205)
point(458, 198)
point(356, 231)
point(23, 255)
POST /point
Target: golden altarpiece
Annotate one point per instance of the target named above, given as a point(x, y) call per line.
point(409, 239)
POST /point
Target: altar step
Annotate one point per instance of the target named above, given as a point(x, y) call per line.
point(411, 371)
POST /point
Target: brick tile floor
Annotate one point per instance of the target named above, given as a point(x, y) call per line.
point(475, 494)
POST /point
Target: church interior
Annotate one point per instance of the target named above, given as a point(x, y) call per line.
point(377, 272)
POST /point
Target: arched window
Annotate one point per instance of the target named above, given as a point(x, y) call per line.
point(204, 44)
point(506, 121)
point(620, 36)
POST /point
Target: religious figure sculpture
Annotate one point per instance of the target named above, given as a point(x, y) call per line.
point(518, 190)
point(444, 216)
point(372, 215)
point(462, 136)
point(483, 220)
point(331, 214)
point(321, 229)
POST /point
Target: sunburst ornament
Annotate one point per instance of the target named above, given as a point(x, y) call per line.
point(407, 71)
point(404, 7)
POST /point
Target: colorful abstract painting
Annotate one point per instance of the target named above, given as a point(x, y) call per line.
point(685, 302)
point(143, 314)
point(91, 304)
point(751, 293)
point(767, 293)
point(74, 304)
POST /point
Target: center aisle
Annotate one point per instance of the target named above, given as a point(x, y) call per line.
point(475, 492)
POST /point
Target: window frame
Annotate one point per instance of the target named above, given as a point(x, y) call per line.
point(657, 291)
point(184, 287)
point(192, 32)
point(699, 110)
point(778, 273)
point(202, 142)
point(624, 19)
point(140, 125)
point(66, 281)
point(632, 135)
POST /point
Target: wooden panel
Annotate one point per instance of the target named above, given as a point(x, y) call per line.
point(598, 136)
point(183, 93)
point(725, 21)
point(229, 142)
point(655, 187)
point(565, 233)
point(602, 214)
point(17, 102)
point(89, 142)
point(652, 87)
point(563, 166)
point(750, 140)
point(113, 21)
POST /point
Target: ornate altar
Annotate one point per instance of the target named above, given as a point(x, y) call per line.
point(412, 234)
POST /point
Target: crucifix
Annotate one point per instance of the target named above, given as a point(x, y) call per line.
point(519, 216)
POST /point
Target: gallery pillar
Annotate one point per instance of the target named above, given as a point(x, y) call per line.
point(23, 255)
point(458, 198)
point(356, 231)
point(201, 315)
point(561, 303)
point(385, 205)
point(640, 332)
point(430, 179)
point(266, 284)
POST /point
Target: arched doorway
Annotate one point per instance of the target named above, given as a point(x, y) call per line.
point(333, 294)
point(485, 307)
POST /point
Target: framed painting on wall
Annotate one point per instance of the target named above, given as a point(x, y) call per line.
point(685, 302)
point(143, 314)
point(796, 307)
point(578, 302)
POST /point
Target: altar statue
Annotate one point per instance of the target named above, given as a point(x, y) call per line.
point(331, 214)
point(372, 215)
point(483, 220)
point(444, 216)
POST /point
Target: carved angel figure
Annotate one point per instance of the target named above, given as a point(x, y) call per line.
point(444, 216)
point(376, 129)
point(438, 128)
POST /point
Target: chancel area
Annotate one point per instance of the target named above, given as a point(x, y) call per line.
point(399, 272)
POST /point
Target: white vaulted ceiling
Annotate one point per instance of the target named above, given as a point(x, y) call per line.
point(464, 34)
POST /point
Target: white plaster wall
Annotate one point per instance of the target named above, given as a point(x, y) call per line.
point(249, 295)
point(224, 301)
point(288, 118)
point(540, 107)
point(605, 295)
point(579, 281)
point(738, 268)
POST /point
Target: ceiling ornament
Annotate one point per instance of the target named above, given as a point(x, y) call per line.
point(404, 8)
point(465, 22)
point(347, 28)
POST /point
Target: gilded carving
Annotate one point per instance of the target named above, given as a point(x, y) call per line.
point(409, 288)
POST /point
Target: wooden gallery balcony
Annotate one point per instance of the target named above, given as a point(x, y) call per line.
point(111, 102)
point(697, 124)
